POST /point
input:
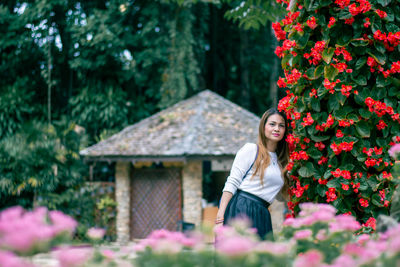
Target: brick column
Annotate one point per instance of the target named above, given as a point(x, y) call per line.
point(122, 197)
point(192, 176)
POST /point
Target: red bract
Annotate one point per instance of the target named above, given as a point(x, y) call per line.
point(331, 195)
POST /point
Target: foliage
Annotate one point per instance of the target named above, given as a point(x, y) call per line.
point(341, 69)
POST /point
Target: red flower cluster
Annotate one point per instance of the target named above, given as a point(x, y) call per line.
point(342, 51)
point(364, 202)
point(369, 151)
point(371, 222)
point(342, 3)
point(299, 190)
point(312, 23)
point(390, 40)
point(308, 120)
point(313, 93)
point(380, 109)
point(387, 175)
point(355, 186)
point(292, 141)
point(341, 173)
point(331, 194)
point(316, 53)
point(381, 14)
point(330, 85)
point(371, 162)
point(332, 21)
point(346, 90)
point(345, 146)
point(345, 123)
point(293, 77)
point(324, 126)
point(381, 125)
point(342, 67)
point(320, 146)
point(339, 134)
point(364, 6)
point(345, 187)
point(367, 23)
point(290, 18)
point(279, 33)
point(322, 160)
point(301, 155)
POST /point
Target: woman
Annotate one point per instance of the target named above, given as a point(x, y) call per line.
point(257, 176)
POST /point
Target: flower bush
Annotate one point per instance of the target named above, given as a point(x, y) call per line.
point(341, 66)
point(316, 237)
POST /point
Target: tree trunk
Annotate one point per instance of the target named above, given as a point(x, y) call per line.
point(244, 69)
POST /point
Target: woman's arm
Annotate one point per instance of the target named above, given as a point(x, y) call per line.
point(226, 197)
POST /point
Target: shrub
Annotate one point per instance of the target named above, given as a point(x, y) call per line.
point(341, 65)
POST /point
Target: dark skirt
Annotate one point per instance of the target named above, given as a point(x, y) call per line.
point(244, 204)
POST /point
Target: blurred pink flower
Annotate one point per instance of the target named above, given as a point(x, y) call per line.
point(73, 257)
point(109, 254)
point(311, 258)
point(273, 248)
point(234, 246)
point(302, 234)
point(96, 233)
point(344, 260)
point(394, 151)
point(8, 259)
point(62, 222)
point(344, 223)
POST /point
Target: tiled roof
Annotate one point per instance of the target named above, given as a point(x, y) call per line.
point(204, 125)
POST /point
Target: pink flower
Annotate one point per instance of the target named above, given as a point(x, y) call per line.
point(311, 258)
point(62, 222)
point(237, 245)
point(96, 233)
point(394, 151)
point(302, 234)
point(7, 259)
point(274, 248)
point(108, 254)
point(74, 257)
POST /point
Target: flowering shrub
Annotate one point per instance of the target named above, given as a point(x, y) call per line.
point(342, 71)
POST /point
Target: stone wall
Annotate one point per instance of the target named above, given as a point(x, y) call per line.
point(122, 197)
point(192, 173)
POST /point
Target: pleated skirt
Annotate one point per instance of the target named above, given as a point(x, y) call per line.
point(254, 208)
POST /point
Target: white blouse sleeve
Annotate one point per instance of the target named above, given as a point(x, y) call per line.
point(241, 164)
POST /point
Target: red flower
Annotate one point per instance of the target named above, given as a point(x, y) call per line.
point(346, 90)
point(320, 146)
point(298, 27)
point(331, 194)
point(371, 222)
point(345, 187)
point(308, 120)
point(293, 77)
point(381, 125)
point(367, 23)
point(364, 202)
point(354, 9)
point(381, 13)
point(313, 93)
point(382, 194)
point(322, 160)
point(312, 23)
point(332, 21)
point(342, 3)
point(279, 51)
point(339, 134)
point(279, 33)
point(355, 187)
point(281, 83)
point(322, 181)
point(349, 21)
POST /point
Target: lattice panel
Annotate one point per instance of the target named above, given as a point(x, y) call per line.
point(155, 200)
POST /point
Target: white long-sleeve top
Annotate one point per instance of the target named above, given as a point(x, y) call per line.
point(273, 180)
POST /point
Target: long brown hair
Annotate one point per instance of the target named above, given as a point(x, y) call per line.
point(263, 159)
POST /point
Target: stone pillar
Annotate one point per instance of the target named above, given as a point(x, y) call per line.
point(192, 176)
point(122, 197)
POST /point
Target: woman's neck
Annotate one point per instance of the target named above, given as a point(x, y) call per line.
point(271, 146)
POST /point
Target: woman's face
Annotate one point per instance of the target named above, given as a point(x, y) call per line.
point(275, 128)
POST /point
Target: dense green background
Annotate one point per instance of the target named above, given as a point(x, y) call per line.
point(73, 72)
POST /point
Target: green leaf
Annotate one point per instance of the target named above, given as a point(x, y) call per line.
point(363, 129)
point(311, 73)
point(360, 80)
point(358, 43)
point(321, 190)
point(364, 113)
point(390, 27)
point(311, 5)
point(330, 72)
point(292, 5)
point(382, 82)
point(380, 47)
point(384, 2)
point(327, 54)
point(379, 57)
point(361, 62)
point(353, 117)
point(308, 170)
point(317, 138)
point(314, 153)
point(318, 71)
point(315, 104)
point(302, 41)
point(333, 103)
point(335, 183)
